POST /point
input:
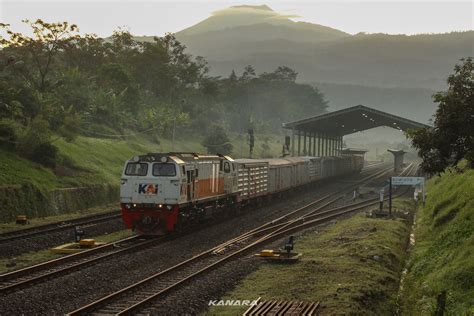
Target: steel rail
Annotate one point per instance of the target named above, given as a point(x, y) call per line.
point(31, 275)
point(57, 226)
point(147, 293)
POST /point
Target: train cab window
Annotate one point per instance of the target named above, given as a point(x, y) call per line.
point(226, 167)
point(164, 169)
point(136, 169)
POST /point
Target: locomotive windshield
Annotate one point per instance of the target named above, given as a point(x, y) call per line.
point(136, 169)
point(164, 169)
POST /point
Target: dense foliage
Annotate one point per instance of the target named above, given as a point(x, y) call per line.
point(59, 83)
point(217, 141)
point(452, 137)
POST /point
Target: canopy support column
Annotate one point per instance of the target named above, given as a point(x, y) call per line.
point(309, 143)
point(326, 147)
point(332, 145)
point(319, 145)
point(293, 142)
point(304, 144)
point(299, 143)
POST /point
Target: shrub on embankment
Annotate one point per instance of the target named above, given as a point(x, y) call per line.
point(443, 255)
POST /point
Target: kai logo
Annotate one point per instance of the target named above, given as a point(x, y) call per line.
point(144, 188)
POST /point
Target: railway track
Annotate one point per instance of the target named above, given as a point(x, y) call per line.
point(136, 297)
point(282, 308)
point(57, 226)
point(37, 273)
point(54, 268)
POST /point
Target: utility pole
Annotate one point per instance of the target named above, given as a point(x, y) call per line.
point(174, 131)
point(251, 142)
point(174, 125)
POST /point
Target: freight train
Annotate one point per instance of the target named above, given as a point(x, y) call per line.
point(161, 192)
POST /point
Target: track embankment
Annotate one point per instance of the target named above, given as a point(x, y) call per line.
point(440, 270)
point(351, 266)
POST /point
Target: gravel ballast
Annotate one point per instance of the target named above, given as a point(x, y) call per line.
point(69, 292)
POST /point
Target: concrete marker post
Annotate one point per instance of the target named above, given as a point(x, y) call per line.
point(381, 201)
point(390, 198)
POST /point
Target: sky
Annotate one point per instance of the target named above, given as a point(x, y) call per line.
point(157, 17)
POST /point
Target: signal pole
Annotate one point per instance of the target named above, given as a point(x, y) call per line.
point(251, 142)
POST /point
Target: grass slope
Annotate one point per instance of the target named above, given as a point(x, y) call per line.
point(100, 161)
point(15, 170)
point(443, 255)
point(352, 267)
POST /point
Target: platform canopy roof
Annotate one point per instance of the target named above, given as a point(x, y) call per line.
point(352, 120)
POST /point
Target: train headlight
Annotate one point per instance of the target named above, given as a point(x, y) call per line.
point(164, 159)
point(169, 207)
point(128, 206)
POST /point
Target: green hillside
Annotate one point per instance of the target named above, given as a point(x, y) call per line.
point(94, 161)
point(91, 161)
point(444, 248)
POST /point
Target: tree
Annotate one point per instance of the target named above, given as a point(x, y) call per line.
point(452, 137)
point(282, 73)
point(249, 73)
point(36, 143)
point(34, 56)
point(232, 77)
point(217, 140)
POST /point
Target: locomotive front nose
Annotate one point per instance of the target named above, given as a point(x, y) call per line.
point(146, 220)
point(150, 225)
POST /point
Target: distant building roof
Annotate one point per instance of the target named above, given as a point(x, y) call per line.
point(352, 120)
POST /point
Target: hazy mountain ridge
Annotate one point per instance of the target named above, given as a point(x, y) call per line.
point(397, 73)
point(399, 101)
point(378, 59)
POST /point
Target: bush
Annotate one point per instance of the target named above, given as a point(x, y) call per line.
point(36, 144)
point(9, 134)
point(45, 154)
point(217, 141)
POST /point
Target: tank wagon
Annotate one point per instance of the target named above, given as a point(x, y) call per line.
point(160, 192)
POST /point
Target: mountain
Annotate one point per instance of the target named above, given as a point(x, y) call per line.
point(264, 21)
point(396, 73)
point(237, 36)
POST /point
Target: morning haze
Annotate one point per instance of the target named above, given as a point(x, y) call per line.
point(175, 150)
